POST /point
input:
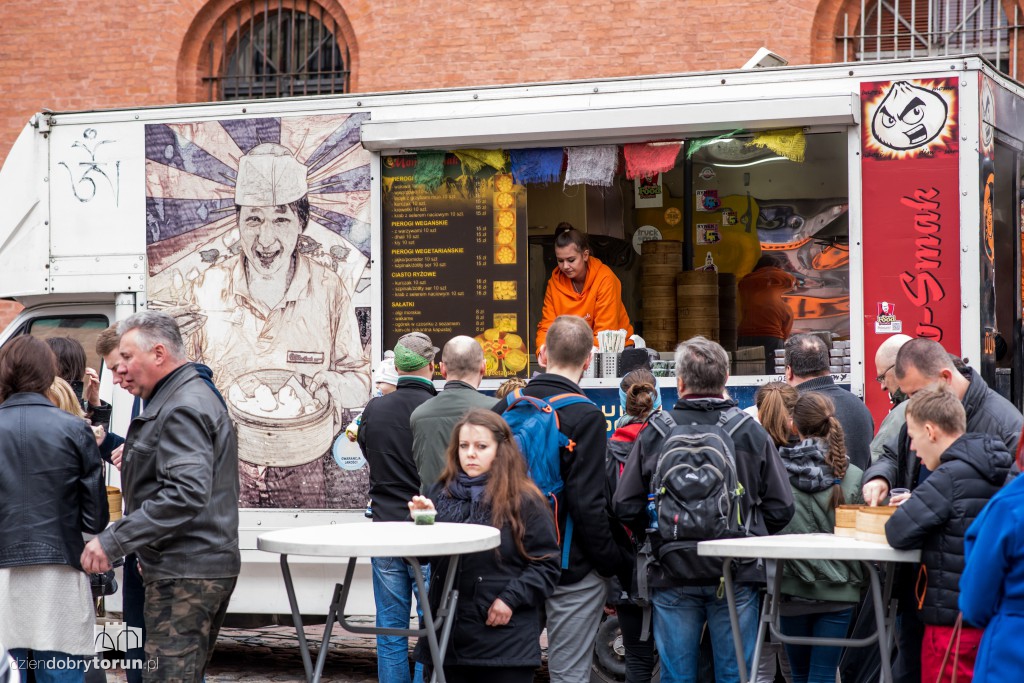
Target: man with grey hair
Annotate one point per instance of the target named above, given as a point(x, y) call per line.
point(807, 369)
point(180, 479)
point(682, 604)
point(462, 366)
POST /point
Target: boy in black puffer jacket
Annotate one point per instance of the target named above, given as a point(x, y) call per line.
point(967, 470)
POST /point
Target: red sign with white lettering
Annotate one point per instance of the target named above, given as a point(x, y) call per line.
point(911, 212)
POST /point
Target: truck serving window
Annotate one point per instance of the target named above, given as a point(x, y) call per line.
point(743, 239)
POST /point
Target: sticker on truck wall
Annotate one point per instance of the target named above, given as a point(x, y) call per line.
point(885, 319)
point(908, 119)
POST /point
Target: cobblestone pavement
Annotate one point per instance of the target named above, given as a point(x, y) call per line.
point(271, 654)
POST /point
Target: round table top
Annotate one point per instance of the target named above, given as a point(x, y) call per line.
point(806, 547)
point(381, 539)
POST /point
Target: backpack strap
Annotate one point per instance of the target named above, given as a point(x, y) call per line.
point(567, 541)
point(557, 402)
point(662, 422)
point(732, 416)
point(563, 400)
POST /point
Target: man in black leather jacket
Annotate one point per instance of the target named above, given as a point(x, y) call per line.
point(180, 475)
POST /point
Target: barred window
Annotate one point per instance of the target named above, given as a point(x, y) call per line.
point(266, 50)
point(890, 29)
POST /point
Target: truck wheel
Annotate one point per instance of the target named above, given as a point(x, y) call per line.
point(609, 665)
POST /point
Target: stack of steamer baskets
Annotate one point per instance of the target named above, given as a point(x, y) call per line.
point(727, 329)
point(697, 295)
point(662, 260)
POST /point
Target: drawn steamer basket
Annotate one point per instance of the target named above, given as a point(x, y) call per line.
point(282, 442)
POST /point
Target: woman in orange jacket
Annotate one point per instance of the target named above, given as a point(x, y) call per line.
point(583, 286)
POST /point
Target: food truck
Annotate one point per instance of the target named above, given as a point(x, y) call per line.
point(887, 193)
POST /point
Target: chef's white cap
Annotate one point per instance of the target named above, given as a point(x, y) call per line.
point(270, 176)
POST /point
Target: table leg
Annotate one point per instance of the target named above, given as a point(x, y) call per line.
point(297, 618)
point(734, 619)
point(436, 656)
point(325, 644)
point(880, 620)
point(449, 602)
point(769, 611)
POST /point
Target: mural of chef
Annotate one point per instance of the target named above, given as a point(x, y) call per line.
point(909, 117)
point(279, 330)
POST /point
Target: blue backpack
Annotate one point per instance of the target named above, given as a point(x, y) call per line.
point(534, 424)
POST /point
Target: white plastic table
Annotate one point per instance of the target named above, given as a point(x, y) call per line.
point(380, 539)
point(776, 549)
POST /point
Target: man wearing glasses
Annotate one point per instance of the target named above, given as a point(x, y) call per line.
point(885, 365)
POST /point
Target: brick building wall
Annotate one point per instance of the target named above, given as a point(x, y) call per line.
point(84, 55)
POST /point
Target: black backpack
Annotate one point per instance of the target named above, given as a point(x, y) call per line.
point(695, 493)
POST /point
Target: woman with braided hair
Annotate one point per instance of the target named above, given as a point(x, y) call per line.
point(818, 595)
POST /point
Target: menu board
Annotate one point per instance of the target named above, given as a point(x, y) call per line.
point(455, 261)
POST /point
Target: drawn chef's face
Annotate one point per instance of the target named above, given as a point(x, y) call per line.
point(909, 117)
point(269, 235)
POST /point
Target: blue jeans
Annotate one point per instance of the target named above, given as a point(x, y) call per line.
point(679, 617)
point(49, 666)
point(393, 588)
point(815, 664)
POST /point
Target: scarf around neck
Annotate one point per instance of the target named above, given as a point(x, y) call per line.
point(451, 504)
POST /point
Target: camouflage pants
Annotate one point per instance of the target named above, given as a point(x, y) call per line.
point(183, 617)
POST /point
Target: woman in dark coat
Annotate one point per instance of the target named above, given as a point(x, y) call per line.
point(496, 633)
point(51, 492)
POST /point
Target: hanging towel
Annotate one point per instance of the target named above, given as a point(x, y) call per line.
point(700, 143)
point(591, 165)
point(475, 159)
point(646, 160)
point(429, 170)
point(536, 165)
point(787, 142)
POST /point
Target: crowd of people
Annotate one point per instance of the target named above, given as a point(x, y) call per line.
point(617, 535)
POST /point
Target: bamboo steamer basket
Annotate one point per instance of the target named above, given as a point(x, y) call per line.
point(661, 260)
point(727, 318)
point(846, 520)
point(697, 311)
point(660, 275)
point(666, 325)
point(658, 292)
point(661, 247)
point(114, 502)
point(871, 523)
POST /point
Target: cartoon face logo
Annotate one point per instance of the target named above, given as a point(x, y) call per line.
point(909, 117)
